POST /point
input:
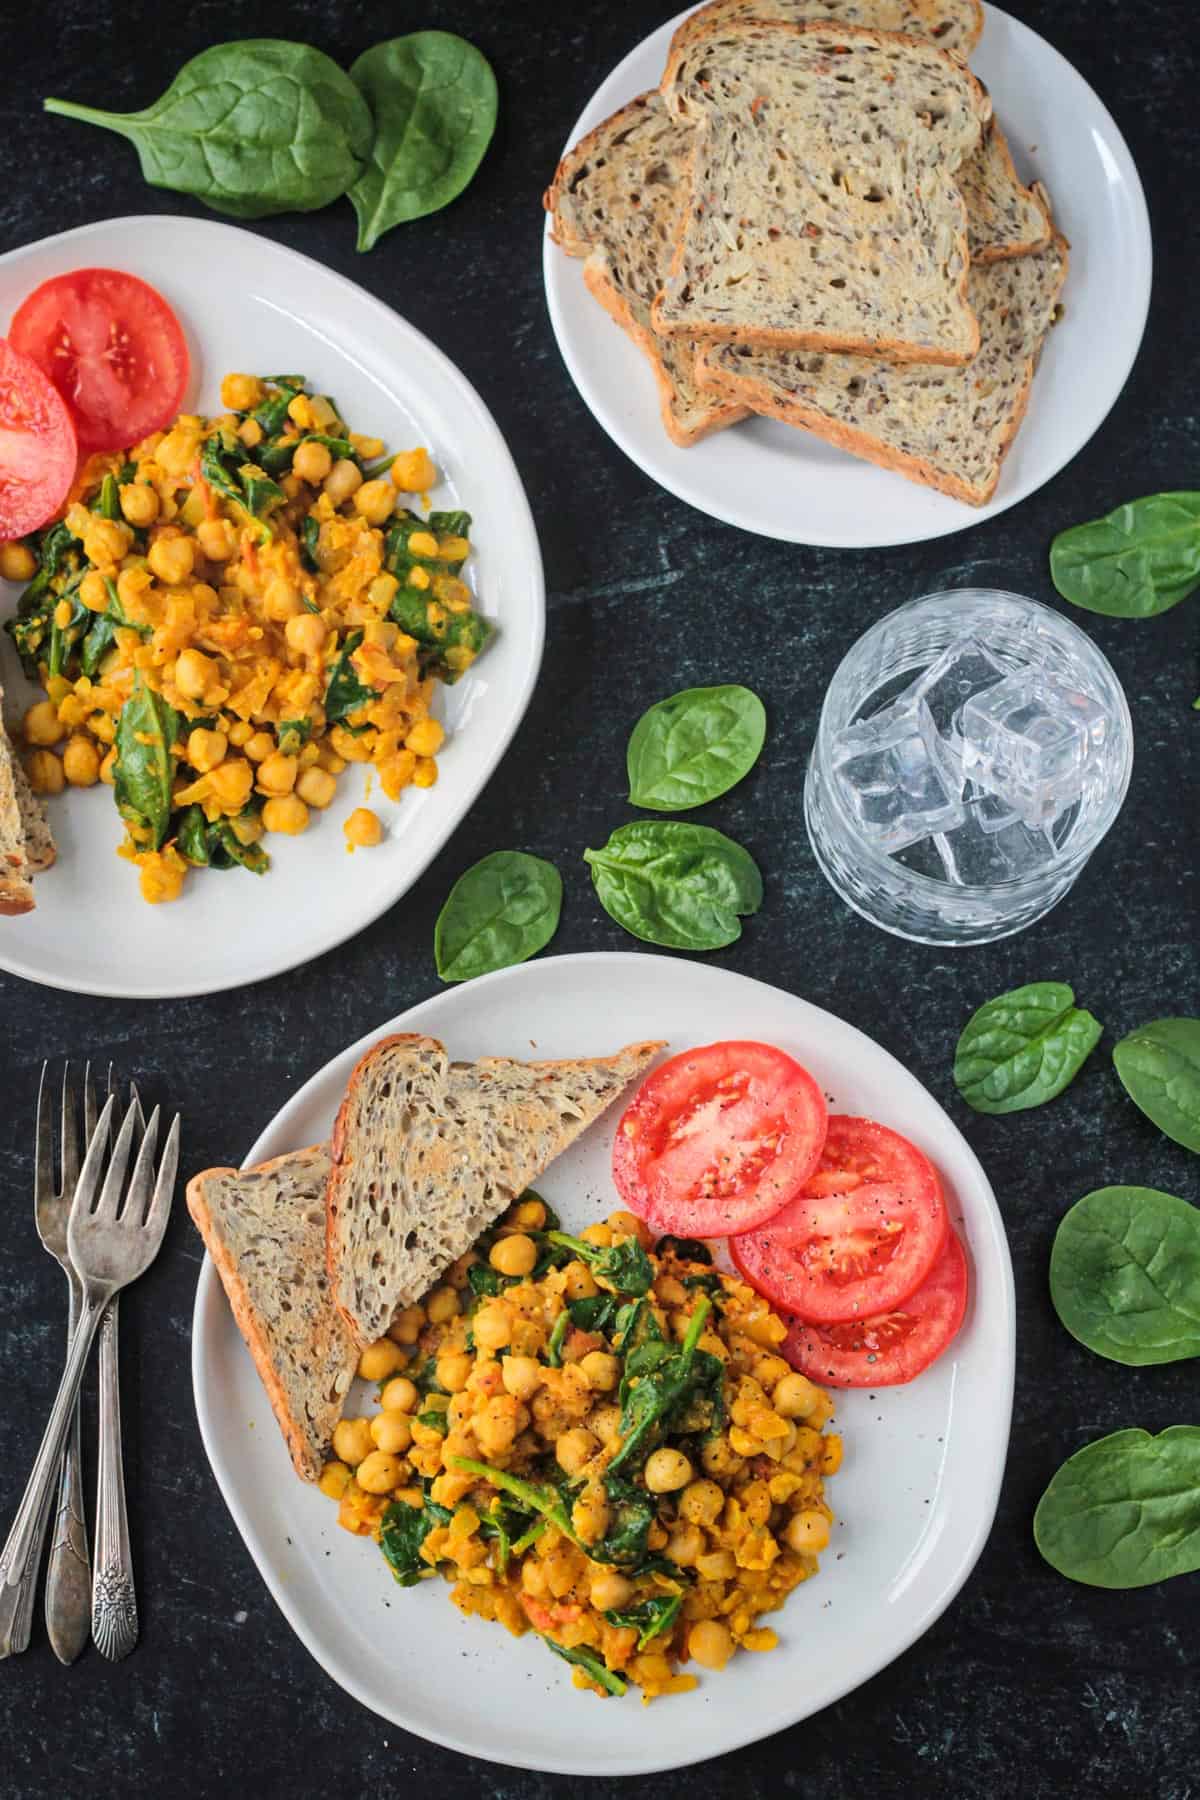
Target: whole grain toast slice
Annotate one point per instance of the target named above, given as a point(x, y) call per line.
point(1004, 217)
point(951, 24)
point(823, 210)
point(25, 840)
point(615, 201)
point(949, 429)
point(40, 852)
point(427, 1153)
point(265, 1231)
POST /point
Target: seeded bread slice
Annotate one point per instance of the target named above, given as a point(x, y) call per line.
point(615, 201)
point(823, 210)
point(1004, 217)
point(950, 24)
point(427, 1153)
point(17, 803)
point(947, 428)
point(265, 1231)
point(39, 845)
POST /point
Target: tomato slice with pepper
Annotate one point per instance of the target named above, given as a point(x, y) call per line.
point(892, 1347)
point(859, 1238)
point(37, 446)
point(112, 347)
point(718, 1139)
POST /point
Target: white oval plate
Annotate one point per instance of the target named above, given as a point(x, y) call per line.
point(784, 483)
point(915, 1498)
point(246, 303)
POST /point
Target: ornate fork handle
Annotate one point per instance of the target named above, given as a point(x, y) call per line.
point(68, 1570)
point(16, 1603)
point(114, 1598)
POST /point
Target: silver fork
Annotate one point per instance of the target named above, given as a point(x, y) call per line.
point(110, 1245)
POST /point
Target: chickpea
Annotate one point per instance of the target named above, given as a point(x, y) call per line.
point(806, 1532)
point(106, 540)
point(413, 472)
point(718, 1565)
point(521, 1375)
point(533, 1578)
point(205, 749)
point(312, 463)
point(139, 503)
point(277, 773)
point(363, 828)
point(259, 745)
point(454, 1370)
point(172, 558)
point(379, 1360)
point(794, 1396)
point(605, 1421)
point(45, 773)
point(316, 788)
point(379, 1473)
point(286, 814)
point(831, 1454)
point(400, 1395)
point(426, 773)
point(240, 733)
point(685, 1544)
point(513, 1255)
point(281, 600)
point(493, 1326)
point(231, 781)
point(426, 738)
point(497, 1426)
point(442, 1305)
point(600, 1235)
point(602, 1370)
point(241, 393)
point(194, 673)
point(17, 562)
point(530, 1215)
point(710, 1643)
point(344, 479)
point(701, 1503)
point(81, 762)
point(335, 1479)
point(93, 591)
point(373, 501)
point(108, 768)
point(352, 1440)
point(667, 1470)
point(250, 432)
point(40, 724)
point(578, 1283)
point(609, 1591)
point(406, 1327)
point(769, 1371)
point(217, 539)
point(391, 1432)
point(306, 633)
point(575, 1449)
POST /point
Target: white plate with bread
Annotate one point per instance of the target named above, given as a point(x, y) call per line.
point(866, 294)
point(923, 1463)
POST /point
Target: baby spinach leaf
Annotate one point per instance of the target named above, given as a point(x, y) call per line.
point(450, 524)
point(623, 1267)
point(227, 851)
point(1125, 1511)
point(595, 1312)
point(250, 128)
point(631, 1513)
point(1125, 1275)
point(1139, 560)
point(680, 885)
point(433, 97)
point(650, 1618)
point(191, 836)
point(1023, 1048)
point(503, 910)
point(344, 692)
point(652, 1400)
point(590, 1661)
point(1159, 1067)
point(262, 495)
point(694, 746)
point(146, 729)
point(403, 1531)
point(271, 416)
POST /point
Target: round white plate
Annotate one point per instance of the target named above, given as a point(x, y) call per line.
point(248, 304)
point(773, 479)
point(915, 1497)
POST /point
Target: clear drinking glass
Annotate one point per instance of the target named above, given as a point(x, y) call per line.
point(973, 749)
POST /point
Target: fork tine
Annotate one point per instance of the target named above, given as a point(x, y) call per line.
point(89, 1104)
point(93, 1162)
point(69, 1133)
point(112, 1091)
point(43, 1168)
point(110, 1193)
point(138, 1194)
point(135, 1100)
point(164, 1187)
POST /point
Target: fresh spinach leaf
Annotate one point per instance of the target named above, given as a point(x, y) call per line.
point(503, 910)
point(695, 746)
point(250, 128)
point(590, 1661)
point(624, 1267)
point(1125, 1275)
point(683, 886)
point(345, 693)
point(1159, 1067)
point(434, 100)
point(146, 729)
point(1125, 1511)
point(1139, 560)
point(403, 1530)
point(1024, 1047)
point(650, 1618)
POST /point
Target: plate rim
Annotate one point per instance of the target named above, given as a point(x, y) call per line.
point(391, 320)
point(610, 423)
point(210, 1297)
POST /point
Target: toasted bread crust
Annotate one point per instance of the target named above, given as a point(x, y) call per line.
point(998, 251)
point(708, 18)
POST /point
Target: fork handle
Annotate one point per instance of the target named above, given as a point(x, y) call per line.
point(114, 1597)
point(16, 1603)
point(68, 1569)
point(22, 1539)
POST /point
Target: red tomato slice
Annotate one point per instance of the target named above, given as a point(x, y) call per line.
point(718, 1139)
point(894, 1346)
point(861, 1236)
point(112, 347)
point(37, 446)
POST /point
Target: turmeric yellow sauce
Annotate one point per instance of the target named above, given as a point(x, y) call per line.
point(229, 615)
point(596, 1440)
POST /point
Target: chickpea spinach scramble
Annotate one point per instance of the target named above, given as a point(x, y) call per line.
point(596, 1439)
point(228, 615)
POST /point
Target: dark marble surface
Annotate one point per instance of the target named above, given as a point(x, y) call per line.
point(1027, 1685)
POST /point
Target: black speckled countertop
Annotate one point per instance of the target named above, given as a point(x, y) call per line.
point(1027, 1685)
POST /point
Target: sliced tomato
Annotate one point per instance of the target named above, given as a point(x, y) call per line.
point(718, 1139)
point(860, 1237)
point(894, 1346)
point(112, 347)
point(37, 446)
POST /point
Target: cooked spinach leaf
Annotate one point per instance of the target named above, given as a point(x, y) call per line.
point(588, 1660)
point(1023, 1048)
point(653, 1400)
point(450, 524)
point(556, 1339)
point(345, 693)
point(623, 1267)
point(108, 500)
point(292, 734)
point(650, 1618)
point(534, 1496)
point(403, 1530)
point(632, 1512)
point(1125, 1511)
point(310, 533)
point(1159, 1067)
point(146, 729)
point(684, 1249)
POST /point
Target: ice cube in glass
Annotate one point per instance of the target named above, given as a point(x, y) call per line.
point(1029, 740)
point(965, 667)
point(976, 857)
point(897, 777)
